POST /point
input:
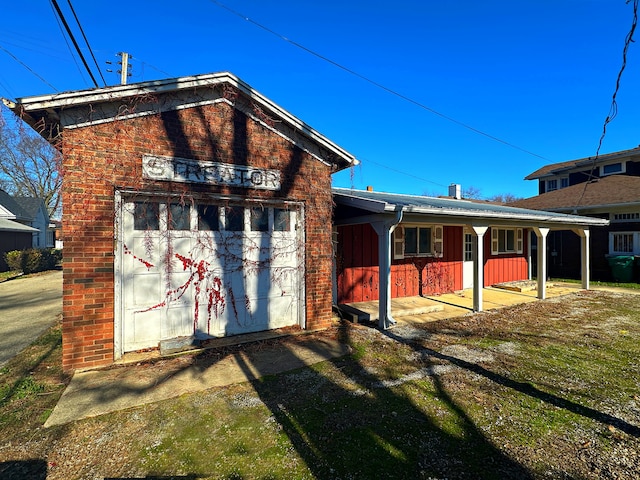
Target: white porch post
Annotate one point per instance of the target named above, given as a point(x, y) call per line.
point(478, 267)
point(529, 256)
point(584, 234)
point(542, 233)
point(385, 229)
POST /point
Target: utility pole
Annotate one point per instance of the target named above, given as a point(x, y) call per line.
point(124, 67)
point(124, 71)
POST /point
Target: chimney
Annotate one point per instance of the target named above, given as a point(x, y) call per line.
point(455, 191)
point(369, 188)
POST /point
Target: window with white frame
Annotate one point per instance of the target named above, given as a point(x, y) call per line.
point(506, 240)
point(552, 185)
point(624, 243)
point(564, 182)
point(625, 217)
point(417, 241)
point(612, 168)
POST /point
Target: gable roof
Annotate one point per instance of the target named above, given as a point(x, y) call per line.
point(53, 113)
point(558, 168)
point(601, 192)
point(30, 205)
point(10, 204)
point(447, 210)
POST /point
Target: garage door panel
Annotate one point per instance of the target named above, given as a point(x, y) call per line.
point(142, 329)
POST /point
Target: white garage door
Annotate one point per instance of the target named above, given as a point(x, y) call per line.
point(207, 269)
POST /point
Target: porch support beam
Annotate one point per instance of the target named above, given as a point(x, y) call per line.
point(584, 235)
point(478, 266)
point(542, 233)
point(384, 229)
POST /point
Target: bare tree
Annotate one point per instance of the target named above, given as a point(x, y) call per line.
point(472, 193)
point(505, 198)
point(29, 166)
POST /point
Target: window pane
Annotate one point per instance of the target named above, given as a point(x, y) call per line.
point(425, 240)
point(623, 243)
point(502, 241)
point(208, 217)
point(468, 247)
point(146, 216)
point(234, 219)
point(410, 241)
point(259, 219)
point(511, 243)
point(281, 220)
point(613, 168)
point(179, 217)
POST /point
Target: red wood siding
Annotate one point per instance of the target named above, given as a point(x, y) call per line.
point(358, 273)
point(505, 267)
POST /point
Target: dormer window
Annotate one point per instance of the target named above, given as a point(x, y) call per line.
point(611, 169)
point(552, 185)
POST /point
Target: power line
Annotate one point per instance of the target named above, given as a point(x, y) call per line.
point(66, 41)
point(27, 67)
point(73, 40)
point(86, 42)
point(373, 82)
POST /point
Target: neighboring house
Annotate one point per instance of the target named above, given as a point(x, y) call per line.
point(391, 245)
point(606, 187)
point(28, 211)
point(195, 208)
point(13, 236)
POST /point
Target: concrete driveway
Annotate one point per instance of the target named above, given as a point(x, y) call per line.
point(28, 306)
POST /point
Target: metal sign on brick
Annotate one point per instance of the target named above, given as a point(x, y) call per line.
point(175, 169)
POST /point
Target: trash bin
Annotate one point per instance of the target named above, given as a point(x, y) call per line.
point(621, 267)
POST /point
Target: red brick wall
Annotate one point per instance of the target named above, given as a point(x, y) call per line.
point(102, 158)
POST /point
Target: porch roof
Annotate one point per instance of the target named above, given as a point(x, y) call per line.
point(358, 205)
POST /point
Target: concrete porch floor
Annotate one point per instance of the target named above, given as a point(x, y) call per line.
point(439, 307)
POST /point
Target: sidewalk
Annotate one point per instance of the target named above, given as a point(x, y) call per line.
point(98, 392)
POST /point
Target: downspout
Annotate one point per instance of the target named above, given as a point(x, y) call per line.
point(385, 229)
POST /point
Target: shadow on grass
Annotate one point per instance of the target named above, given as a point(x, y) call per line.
point(34, 469)
point(369, 430)
point(528, 389)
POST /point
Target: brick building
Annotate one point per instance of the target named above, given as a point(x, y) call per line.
point(194, 208)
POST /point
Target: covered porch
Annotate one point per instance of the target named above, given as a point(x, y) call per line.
point(385, 212)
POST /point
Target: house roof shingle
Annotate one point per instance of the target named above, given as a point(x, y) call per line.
point(9, 203)
point(606, 191)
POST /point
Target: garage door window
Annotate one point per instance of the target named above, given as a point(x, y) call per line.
point(146, 216)
point(208, 218)
point(234, 219)
point(281, 220)
point(259, 219)
point(179, 217)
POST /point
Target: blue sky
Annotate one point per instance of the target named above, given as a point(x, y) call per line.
point(536, 74)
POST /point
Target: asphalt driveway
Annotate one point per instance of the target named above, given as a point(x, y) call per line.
point(28, 306)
